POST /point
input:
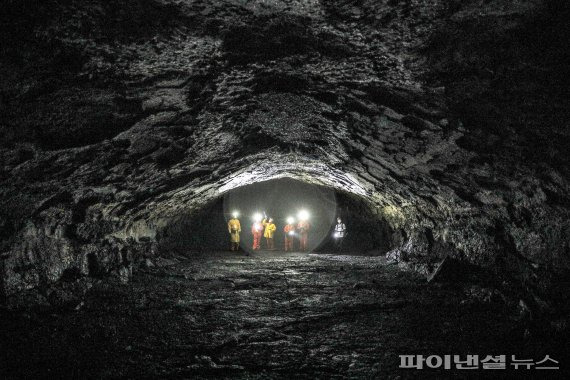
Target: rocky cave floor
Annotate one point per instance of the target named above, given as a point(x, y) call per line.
point(267, 315)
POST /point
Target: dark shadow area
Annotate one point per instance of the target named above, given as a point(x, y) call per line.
point(508, 80)
point(365, 232)
point(50, 46)
point(202, 230)
point(280, 199)
point(272, 38)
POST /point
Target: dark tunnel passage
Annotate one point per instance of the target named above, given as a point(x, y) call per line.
point(131, 131)
point(282, 199)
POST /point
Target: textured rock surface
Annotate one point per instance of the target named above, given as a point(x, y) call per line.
point(450, 117)
point(269, 316)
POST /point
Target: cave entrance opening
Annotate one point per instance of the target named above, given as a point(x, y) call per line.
point(206, 229)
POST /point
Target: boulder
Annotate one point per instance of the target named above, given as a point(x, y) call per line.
point(448, 270)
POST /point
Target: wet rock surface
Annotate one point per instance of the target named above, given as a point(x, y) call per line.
point(268, 315)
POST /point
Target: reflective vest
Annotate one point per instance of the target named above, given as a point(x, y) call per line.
point(339, 229)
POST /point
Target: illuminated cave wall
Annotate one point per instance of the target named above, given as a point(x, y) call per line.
point(448, 118)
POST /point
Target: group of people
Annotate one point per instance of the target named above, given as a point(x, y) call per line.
point(264, 226)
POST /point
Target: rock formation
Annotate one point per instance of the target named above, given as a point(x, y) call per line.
point(449, 118)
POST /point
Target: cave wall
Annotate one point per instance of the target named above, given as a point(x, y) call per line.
point(449, 117)
point(198, 230)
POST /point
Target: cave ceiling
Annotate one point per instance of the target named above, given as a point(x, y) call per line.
point(445, 115)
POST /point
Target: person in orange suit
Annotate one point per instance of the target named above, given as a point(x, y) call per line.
point(257, 230)
point(303, 228)
point(289, 230)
